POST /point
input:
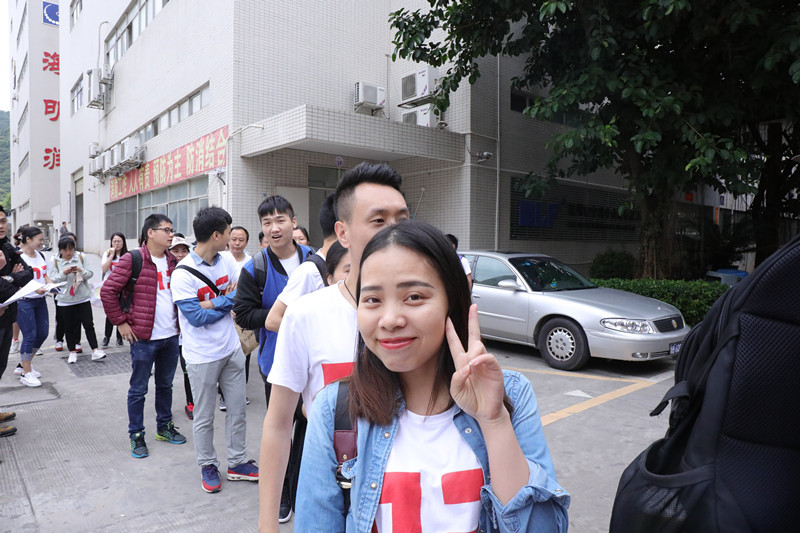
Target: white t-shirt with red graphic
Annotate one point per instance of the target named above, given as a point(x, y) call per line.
point(316, 343)
point(218, 339)
point(432, 480)
point(165, 324)
point(37, 264)
point(111, 266)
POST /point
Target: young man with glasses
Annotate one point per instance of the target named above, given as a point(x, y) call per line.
point(151, 328)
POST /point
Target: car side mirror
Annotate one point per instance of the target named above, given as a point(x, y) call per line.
point(510, 284)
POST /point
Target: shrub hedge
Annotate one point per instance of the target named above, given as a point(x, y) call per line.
point(693, 298)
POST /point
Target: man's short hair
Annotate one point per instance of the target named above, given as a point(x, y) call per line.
point(274, 205)
point(208, 220)
point(453, 239)
point(246, 233)
point(380, 174)
point(260, 236)
point(327, 216)
point(152, 221)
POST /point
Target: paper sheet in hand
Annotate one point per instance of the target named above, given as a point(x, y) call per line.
point(29, 290)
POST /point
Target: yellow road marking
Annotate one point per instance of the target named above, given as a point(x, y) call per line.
point(594, 402)
point(635, 385)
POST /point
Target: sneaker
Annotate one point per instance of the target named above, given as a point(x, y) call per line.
point(30, 380)
point(73, 357)
point(104, 344)
point(14, 346)
point(39, 352)
point(98, 354)
point(189, 410)
point(8, 415)
point(285, 511)
point(246, 400)
point(211, 482)
point(59, 346)
point(120, 343)
point(170, 434)
point(6, 430)
point(78, 348)
point(138, 447)
point(222, 405)
point(244, 472)
point(19, 371)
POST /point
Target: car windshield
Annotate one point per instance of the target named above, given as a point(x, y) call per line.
point(546, 274)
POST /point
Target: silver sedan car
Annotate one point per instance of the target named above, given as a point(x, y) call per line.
point(535, 300)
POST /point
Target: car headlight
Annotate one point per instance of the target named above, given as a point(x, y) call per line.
point(628, 325)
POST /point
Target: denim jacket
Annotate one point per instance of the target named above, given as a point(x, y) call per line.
point(540, 506)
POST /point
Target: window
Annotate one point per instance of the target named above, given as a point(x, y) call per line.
point(185, 111)
point(22, 70)
point(180, 202)
point(24, 164)
point(174, 115)
point(490, 271)
point(22, 23)
point(163, 123)
point(22, 120)
point(74, 12)
point(130, 26)
point(518, 102)
point(76, 96)
point(121, 216)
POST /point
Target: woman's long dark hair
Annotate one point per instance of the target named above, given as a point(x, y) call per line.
point(374, 389)
point(124, 249)
point(27, 233)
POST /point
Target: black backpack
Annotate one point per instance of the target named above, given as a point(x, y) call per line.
point(730, 461)
point(125, 297)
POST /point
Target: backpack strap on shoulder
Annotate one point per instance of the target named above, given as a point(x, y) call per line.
point(321, 267)
point(260, 270)
point(345, 437)
point(202, 277)
point(125, 302)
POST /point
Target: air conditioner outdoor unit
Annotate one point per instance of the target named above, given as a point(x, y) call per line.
point(94, 149)
point(107, 161)
point(96, 96)
point(96, 166)
point(130, 147)
point(107, 75)
point(421, 116)
point(116, 155)
point(419, 86)
point(369, 96)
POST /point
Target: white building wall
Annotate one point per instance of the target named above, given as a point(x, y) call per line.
point(35, 191)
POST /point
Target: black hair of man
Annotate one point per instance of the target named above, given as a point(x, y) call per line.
point(181, 235)
point(246, 233)
point(327, 216)
point(379, 174)
point(152, 222)
point(208, 220)
point(275, 205)
point(260, 236)
point(453, 239)
point(3, 209)
point(65, 243)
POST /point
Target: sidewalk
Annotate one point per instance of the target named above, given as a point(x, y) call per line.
point(69, 467)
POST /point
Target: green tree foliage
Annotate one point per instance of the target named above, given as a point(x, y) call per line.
point(673, 94)
point(5, 159)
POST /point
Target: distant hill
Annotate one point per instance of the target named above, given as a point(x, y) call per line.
point(5, 155)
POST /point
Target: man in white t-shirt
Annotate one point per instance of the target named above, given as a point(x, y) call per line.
point(317, 338)
point(307, 277)
point(203, 286)
point(151, 327)
point(464, 263)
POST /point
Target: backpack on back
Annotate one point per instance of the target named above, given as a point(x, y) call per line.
point(730, 461)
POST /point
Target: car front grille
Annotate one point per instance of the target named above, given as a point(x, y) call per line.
point(671, 323)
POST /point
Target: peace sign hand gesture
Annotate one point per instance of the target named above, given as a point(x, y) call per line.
point(477, 384)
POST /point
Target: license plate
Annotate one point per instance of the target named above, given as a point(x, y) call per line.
point(674, 348)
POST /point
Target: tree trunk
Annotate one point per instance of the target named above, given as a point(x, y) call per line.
point(657, 234)
point(766, 206)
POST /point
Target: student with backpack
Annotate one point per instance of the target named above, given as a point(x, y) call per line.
point(76, 295)
point(204, 285)
point(137, 298)
point(32, 315)
point(444, 436)
point(60, 321)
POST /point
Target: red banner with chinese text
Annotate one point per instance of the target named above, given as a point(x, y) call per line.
point(197, 157)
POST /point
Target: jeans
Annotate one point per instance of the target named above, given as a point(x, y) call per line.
point(34, 323)
point(164, 353)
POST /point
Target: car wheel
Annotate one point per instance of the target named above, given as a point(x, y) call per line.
point(562, 344)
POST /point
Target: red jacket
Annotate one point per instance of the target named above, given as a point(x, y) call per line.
point(143, 309)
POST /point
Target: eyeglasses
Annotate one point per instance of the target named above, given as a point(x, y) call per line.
point(168, 231)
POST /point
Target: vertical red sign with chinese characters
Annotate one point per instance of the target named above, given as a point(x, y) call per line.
point(52, 63)
point(197, 157)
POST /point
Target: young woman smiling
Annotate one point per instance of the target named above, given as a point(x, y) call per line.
point(32, 316)
point(447, 440)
